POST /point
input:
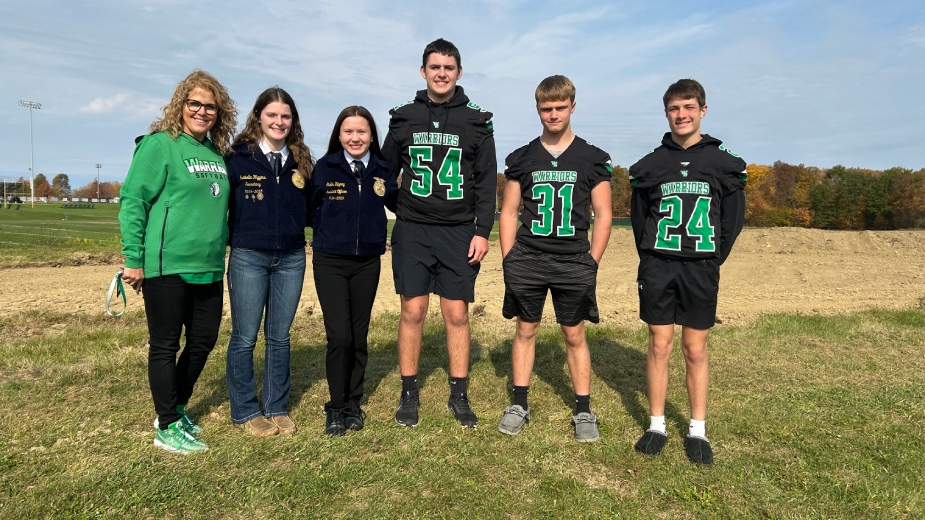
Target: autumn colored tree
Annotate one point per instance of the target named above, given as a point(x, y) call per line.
point(759, 194)
point(110, 189)
point(620, 192)
point(42, 188)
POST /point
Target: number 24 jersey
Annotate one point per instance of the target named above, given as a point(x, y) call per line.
point(685, 202)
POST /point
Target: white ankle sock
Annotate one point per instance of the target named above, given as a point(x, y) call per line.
point(657, 423)
point(698, 429)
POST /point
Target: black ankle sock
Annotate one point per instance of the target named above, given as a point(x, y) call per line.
point(458, 386)
point(582, 404)
point(409, 384)
point(520, 396)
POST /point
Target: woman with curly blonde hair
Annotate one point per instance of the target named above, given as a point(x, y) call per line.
point(269, 171)
point(174, 230)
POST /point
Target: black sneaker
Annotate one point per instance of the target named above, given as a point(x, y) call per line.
point(462, 411)
point(407, 413)
point(353, 418)
point(698, 450)
point(651, 442)
point(334, 424)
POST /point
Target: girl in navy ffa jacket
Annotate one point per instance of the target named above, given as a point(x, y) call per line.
point(269, 171)
point(351, 185)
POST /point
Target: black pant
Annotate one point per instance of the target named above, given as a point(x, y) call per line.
point(172, 305)
point(346, 287)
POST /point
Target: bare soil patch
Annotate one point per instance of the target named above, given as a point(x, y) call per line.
point(805, 271)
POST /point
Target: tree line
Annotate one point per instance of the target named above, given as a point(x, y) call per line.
point(60, 187)
point(806, 196)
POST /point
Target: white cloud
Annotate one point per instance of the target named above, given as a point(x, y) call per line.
point(129, 105)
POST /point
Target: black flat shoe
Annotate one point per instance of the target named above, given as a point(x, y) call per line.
point(334, 424)
point(354, 418)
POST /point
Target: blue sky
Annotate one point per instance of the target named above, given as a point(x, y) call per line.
point(820, 84)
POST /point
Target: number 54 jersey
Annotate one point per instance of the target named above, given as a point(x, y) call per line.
point(688, 203)
point(556, 193)
point(446, 155)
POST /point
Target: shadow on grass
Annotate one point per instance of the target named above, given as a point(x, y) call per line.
point(620, 367)
point(623, 369)
point(308, 358)
point(547, 365)
point(384, 359)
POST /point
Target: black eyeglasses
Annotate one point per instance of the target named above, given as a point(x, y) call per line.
point(194, 106)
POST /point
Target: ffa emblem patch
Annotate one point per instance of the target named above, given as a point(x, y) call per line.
point(297, 180)
point(379, 187)
point(555, 164)
point(215, 189)
point(436, 124)
point(683, 173)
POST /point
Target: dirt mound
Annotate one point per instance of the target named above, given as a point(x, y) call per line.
point(806, 271)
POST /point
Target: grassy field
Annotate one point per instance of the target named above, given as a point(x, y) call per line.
point(49, 234)
point(811, 417)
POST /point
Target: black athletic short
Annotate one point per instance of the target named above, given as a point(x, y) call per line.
point(677, 291)
point(571, 278)
point(429, 258)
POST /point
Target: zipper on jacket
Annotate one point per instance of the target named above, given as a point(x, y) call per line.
point(160, 253)
point(359, 206)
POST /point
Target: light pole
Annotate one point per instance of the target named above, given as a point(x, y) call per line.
point(30, 105)
point(98, 166)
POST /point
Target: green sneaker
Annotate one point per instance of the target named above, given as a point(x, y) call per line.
point(188, 421)
point(178, 440)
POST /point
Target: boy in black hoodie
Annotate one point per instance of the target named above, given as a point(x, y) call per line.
point(688, 207)
point(443, 145)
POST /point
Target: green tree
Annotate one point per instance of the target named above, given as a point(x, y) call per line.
point(822, 205)
point(61, 185)
point(907, 197)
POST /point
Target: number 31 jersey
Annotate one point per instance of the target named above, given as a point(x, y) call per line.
point(556, 193)
point(685, 201)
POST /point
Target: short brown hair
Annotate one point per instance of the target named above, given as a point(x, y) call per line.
point(555, 88)
point(685, 89)
point(441, 46)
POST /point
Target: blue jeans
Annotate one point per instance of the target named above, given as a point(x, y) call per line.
point(262, 283)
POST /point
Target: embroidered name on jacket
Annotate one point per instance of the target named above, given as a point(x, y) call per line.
point(436, 138)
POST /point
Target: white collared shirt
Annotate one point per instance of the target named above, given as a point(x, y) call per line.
point(265, 148)
point(364, 160)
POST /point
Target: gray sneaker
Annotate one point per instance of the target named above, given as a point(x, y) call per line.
point(513, 420)
point(585, 427)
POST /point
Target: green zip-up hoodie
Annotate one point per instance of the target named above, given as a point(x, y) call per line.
point(174, 204)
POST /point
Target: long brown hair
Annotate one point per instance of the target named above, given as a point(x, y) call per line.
point(351, 111)
point(171, 120)
point(295, 141)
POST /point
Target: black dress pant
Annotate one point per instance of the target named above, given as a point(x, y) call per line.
point(346, 287)
point(171, 306)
